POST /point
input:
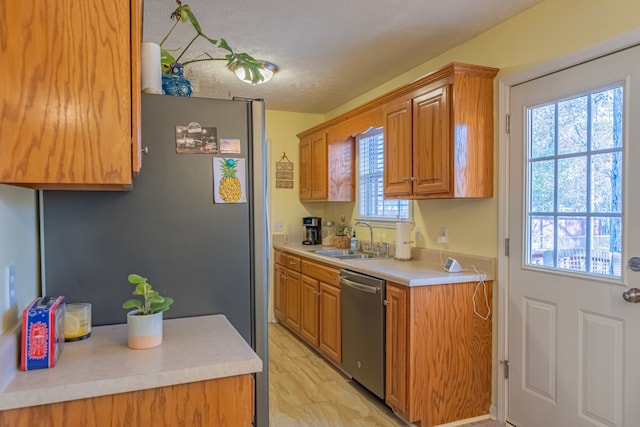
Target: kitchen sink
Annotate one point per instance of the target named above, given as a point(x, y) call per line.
point(346, 254)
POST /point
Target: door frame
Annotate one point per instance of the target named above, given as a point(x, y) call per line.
point(506, 81)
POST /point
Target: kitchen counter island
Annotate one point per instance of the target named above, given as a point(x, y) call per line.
point(203, 366)
point(425, 268)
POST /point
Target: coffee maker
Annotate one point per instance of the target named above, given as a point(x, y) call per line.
point(312, 230)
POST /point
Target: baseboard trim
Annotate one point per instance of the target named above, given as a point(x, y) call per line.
point(466, 421)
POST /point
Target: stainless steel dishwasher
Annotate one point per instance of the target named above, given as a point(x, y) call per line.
point(362, 310)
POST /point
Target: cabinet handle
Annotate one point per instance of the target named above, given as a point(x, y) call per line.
point(144, 150)
point(413, 179)
point(386, 302)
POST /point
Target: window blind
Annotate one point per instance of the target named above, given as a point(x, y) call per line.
point(371, 203)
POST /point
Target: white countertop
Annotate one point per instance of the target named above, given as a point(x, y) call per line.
point(193, 349)
point(426, 269)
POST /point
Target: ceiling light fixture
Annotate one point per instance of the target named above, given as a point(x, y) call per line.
point(267, 71)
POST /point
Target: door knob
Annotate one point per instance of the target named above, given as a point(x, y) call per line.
point(631, 295)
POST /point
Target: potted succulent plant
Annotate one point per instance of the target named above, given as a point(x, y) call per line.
point(145, 320)
point(172, 61)
point(342, 239)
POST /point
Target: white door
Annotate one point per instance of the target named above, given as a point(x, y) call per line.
point(574, 215)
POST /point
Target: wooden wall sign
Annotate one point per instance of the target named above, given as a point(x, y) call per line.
point(284, 172)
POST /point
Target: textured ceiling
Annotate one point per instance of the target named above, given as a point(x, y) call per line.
point(328, 51)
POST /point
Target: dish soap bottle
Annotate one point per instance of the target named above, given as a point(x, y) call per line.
point(354, 242)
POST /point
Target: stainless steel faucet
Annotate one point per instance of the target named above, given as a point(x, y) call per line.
point(370, 231)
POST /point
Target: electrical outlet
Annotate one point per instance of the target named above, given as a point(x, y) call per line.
point(278, 226)
point(443, 235)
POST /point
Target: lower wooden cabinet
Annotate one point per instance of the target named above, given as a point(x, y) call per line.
point(320, 314)
point(396, 348)
point(308, 303)
point(224, 402)
point(287, 290)
point(279, 292)
point(438, 365)
point(292, 313)
point(330, 334)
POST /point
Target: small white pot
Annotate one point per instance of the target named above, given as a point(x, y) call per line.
point(144, 331)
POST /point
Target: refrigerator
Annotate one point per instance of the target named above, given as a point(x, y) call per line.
point(194, 237)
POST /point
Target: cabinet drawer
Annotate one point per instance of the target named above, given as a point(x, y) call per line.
point(321, 272)
point(293, 262)
point(281, 258)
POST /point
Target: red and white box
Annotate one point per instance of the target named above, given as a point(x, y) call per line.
point(42, 333)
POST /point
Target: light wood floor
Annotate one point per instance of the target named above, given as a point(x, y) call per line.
point(305, 390)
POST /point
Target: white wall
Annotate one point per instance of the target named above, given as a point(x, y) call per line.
point(18, 246)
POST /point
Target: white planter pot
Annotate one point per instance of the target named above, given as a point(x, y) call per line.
point(144, 331)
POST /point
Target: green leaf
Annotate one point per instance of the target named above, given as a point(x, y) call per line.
point(155, 299)
point(224, 45)
point(193, 19)
point(132, 303)
point(212, 41)
point(157, 308)
point(142, 288)
point(166, 59)
point(135, 278)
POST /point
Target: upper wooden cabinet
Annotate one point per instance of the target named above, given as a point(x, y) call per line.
point(438, 134)
point(70, 97)
point(313, 167)
point(439, 138)
point(326, 169)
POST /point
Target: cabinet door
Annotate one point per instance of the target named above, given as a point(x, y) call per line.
point(396, 349)
point(305, 169)
point(66, 98)
point(136, 89)
point(319, 170)
point(292, 311)
point(330, 324)
point(309, 309)
point(397, 148)
point(340, 169)
point(431, 143)
point(279, 292)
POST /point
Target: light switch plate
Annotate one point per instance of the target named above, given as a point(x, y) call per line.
point(9, 286)
point(12, 285)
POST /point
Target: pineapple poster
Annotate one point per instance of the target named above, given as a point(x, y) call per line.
point(229, 180)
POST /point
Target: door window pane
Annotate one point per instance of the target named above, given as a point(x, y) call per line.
point(574, 183)
point(606, 128)
point(543, 135)
point(572, 125)
point(572, 176)
point(606, 173)
point(542, 186)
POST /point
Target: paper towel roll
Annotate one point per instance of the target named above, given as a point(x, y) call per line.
point(151, 73)
point(403, 240)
